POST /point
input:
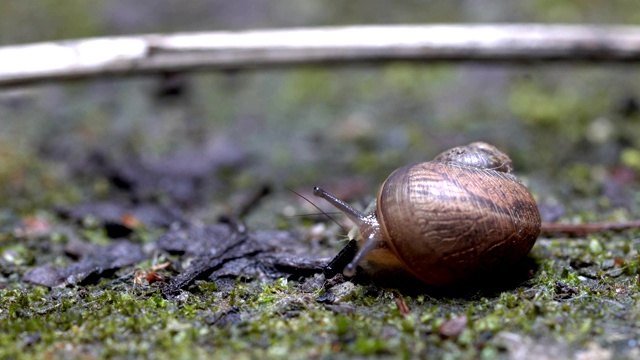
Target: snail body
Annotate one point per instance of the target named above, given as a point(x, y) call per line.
point(445, 220)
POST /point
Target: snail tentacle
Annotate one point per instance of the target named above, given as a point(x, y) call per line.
point(354, 215)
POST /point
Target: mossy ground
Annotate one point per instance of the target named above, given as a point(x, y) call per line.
point(563, 310)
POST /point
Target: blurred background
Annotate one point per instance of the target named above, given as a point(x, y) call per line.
point(573, 130)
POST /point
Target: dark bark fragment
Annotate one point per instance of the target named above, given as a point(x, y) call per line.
point(101, 261)
point(225, 251)
point(340, 261)
point(213, 252)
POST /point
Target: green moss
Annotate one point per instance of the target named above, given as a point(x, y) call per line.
point(50, 20)
point(28, 183)
point(631, 157)
point(282, 319)
point(553, 107)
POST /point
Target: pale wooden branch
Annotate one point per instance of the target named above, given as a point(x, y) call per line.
point(132, 55)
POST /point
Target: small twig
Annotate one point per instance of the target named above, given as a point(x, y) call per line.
point(252, 201)
point(579, 230)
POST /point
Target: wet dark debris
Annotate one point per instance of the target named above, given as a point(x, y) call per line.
point(221, 251)
point(121, 219)
point(181, 178)
point(211, 252)
point(101, 261)
point(157, 193)
point(341, 260)
point(564, 291)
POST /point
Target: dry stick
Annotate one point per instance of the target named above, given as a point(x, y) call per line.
point(578, 230)
point(156, 53)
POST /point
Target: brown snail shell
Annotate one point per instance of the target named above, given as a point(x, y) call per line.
point(447, 219)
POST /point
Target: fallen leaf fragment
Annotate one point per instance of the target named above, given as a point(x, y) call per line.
point(453, 328)
point(403, 308)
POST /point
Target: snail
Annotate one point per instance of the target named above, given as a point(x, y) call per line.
point(445, 220)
